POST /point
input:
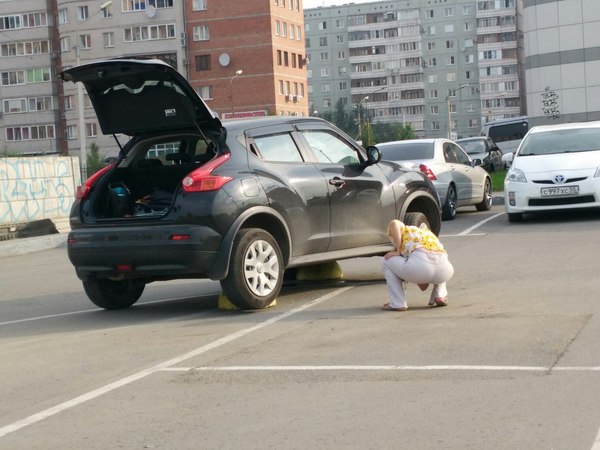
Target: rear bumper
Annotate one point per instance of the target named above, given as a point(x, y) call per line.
point(152, 253)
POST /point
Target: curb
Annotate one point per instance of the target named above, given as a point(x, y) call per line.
point(22, 246)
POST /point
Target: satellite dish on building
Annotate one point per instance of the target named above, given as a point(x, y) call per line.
point(150, 11)
point(224, 59)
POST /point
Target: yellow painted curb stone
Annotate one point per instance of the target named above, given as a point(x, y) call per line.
point(319, 272)
point(225, 303)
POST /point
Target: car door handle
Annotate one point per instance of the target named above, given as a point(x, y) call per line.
point(337, 182)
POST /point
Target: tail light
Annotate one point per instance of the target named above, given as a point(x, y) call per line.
point(427, 171)
point(202, 180)
point(84, 189)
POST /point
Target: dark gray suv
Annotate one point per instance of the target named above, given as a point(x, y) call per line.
point(239, 201)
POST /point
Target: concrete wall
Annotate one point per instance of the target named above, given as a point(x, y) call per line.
point(33, 189)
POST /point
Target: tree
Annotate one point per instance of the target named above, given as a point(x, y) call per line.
point(93, 162)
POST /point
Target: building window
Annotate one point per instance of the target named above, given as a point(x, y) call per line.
point(451, 76)
point(65, 44)
point(205, 92)
point(63, 16)
point(448, 12)
point(433, 93)
point(450, 44)
point(324, 56)
point(199, 5)
point(322, 26)
point(298, 33)
point(40, 104)
point(277, 28)
point(284, 29)
point(434, 110)
point(431, 45)
point(202, 62)
point(200, 33)
point(324, 71)
point(108, 39)
point(323, 41)
point(91, 129)
point(38, 75)
point(449, 28)
point(435, 126)
point(82, 13)
point(450, 61)
point(149, 33)
point(85, 41)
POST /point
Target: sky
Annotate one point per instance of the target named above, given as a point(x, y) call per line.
point(316, 3)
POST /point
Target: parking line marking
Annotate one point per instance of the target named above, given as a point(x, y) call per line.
point(72, 313)
point(384, 367)
point(478, 224)
point(161, 366)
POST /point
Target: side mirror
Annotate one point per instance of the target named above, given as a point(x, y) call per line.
point(373, 155)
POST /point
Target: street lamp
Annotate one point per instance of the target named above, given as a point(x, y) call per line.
point(453, 93)
point(237, 74)
point(358, 110)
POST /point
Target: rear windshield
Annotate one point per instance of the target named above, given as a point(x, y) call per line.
point(561, 141)
point(472, 147)
point(407, 151)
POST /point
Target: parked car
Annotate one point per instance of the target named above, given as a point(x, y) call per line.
point(483, 148)
point(555, 167)
point(459, 181)
point(239, 201)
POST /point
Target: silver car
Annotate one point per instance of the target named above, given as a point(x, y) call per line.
point(459, 181)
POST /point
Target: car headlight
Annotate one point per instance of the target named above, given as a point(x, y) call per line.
point(516, 176)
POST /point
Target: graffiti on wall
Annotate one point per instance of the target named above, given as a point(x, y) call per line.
point(37, 188)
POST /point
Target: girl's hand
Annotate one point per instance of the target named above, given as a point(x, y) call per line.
point(388, 255)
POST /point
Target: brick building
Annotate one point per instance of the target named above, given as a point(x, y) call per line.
point(247, 58)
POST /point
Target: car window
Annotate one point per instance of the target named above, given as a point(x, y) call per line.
point(407, 151)
point(277, 147)
point(472, 147)
point(461, 156)
point(561, 141)
point(328, 148)
point(449, 155)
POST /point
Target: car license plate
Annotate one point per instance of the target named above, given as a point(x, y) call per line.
point(560, 190)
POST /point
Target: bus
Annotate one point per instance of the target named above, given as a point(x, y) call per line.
point(507, 133)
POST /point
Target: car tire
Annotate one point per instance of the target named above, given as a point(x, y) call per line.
point(488, 198)
point(109, 294)
point(255, 270)
point(515, 217)
point(416, 219)
point(449, 208)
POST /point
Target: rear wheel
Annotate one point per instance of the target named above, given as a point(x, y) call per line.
point(255, 271)
point(486, 203)
point(416, 219)
point(449, 208)
point(110, 294)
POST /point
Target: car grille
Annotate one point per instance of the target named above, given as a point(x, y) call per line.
point(569, 180)
point(561, 201)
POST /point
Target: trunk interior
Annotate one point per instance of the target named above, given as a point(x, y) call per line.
point(145, 183)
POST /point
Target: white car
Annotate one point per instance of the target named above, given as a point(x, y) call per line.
point(458, 179)
point(555, 167)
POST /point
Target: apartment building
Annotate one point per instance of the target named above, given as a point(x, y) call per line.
point(244, 58)
point(417, 62)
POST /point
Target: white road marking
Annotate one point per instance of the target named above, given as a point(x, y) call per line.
point(72, 313)
point(381, 368)
point(161, 366)
point(478, 224)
